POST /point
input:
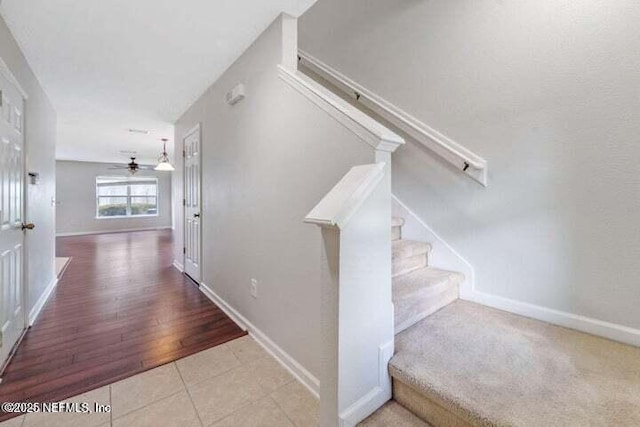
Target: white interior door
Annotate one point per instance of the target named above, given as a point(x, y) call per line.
point(192, 209)
point(12, 310)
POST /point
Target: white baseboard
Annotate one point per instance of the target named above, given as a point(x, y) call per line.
point(367, 405)
point(296, 369)
point(608, 330)
point(35, 311)
point(222, 304)
point(178, 265)
point(378, 396)
point(124, 230)
point(289, 363)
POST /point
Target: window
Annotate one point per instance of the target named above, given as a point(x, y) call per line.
point(126, 196)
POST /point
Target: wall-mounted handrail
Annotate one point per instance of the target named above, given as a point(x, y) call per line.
point(459, 156)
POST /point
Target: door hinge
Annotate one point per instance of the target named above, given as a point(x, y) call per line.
point(184, 250)
point(184, 153)
point(184, 202)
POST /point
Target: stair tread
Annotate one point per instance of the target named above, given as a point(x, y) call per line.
point(397, 221)
point(406, 248)
point(490, 367)
point(422, 292)
point(404, 286)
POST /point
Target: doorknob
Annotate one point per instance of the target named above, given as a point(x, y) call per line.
point(28, 226)
point(196, 215)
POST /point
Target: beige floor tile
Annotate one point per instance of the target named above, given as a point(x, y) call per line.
point(207, 364)
point(393, 414)
point(298, 403)
point(263, 413)
point(269, 373)
point(247, 349)
point(100, 395)
point(13, 422)
point(176, 410)
point(145, 388)
point(218, 397)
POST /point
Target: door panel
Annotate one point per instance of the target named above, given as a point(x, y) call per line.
point(12, 311)
point(192, 212)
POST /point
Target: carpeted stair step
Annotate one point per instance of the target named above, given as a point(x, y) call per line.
point(396, 228)
point(408, 255)
point(471, 365)
point(422, 292)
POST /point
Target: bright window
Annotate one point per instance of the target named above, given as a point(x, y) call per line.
point(126, 196)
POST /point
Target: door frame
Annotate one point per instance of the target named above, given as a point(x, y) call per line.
point(6, 73)
point(197, 128)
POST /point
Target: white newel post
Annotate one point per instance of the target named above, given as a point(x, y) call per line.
point(357, 311)
point(355, 219)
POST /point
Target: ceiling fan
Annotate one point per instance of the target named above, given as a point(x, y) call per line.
point(132, 167)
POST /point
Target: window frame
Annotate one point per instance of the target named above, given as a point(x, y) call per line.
point(127, 180)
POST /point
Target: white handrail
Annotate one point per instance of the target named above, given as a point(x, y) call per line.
point(462, 158)
point(362, 125)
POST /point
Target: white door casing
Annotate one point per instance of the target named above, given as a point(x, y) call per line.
point(12, 282)
point(192, 206)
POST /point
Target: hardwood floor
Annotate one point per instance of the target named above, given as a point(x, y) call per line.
point(119, 309)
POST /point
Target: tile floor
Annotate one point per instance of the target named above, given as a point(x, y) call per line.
point(234, 384)
point(394, 415)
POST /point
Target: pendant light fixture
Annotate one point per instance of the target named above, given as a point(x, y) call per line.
point(163, 160)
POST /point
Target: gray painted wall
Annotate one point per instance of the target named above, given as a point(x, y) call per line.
point(546, 91)
point(76, 196)
point(267, 161)
point(40, 140)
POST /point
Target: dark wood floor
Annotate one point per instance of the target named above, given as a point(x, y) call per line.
point(119, 309)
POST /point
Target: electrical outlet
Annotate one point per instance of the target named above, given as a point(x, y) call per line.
point(254, 288)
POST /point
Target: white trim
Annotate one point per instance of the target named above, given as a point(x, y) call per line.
point(289, 363)
point(343, 200)
point(365, 127)
point(440, 248)
point(35, 311)
point(124, 230)
point(589, 325)
point(364, 407)
point(6, 72)
point(178, 266)
point(222, 304)
point(64, 267)
point(376, 397)
point(126, 216)
point(445, 147)
point(195, 128)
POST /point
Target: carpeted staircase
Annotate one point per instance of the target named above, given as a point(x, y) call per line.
point(463, 364)
point(418, 290)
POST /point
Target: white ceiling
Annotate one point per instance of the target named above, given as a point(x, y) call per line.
point(109, 66)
